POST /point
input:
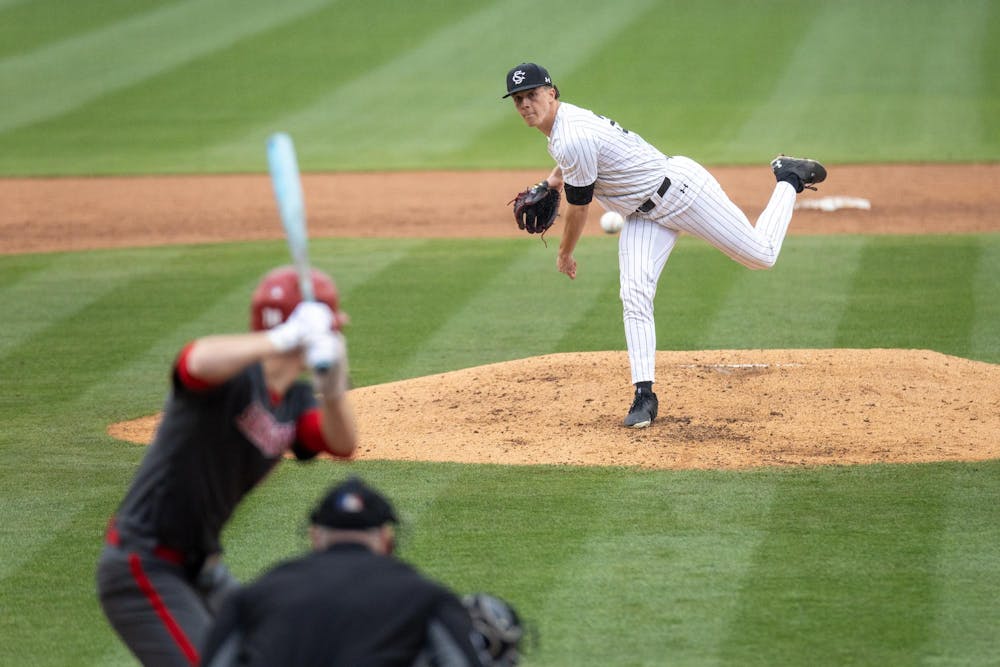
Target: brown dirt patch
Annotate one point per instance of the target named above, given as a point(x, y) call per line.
point(724, 409)
point(45, 214)
point(718, 409)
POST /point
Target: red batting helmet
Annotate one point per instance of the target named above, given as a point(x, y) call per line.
point(278, 293)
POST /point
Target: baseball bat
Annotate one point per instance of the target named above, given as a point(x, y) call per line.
point(287, 184)
point(284, 167)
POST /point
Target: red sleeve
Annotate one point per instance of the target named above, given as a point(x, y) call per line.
point(184, 375)
point(309, 432)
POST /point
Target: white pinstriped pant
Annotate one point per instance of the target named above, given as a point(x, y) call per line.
point(696, 204)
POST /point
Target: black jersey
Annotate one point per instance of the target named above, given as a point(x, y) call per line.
point(213, 446)
point(342, 606)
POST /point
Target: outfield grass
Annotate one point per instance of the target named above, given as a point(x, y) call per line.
point(868, 565)
point(197, 85)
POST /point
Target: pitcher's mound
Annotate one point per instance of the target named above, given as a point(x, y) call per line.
point(718, 409)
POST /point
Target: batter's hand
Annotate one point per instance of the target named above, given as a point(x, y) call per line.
point(309, 317)
point(327, 350)
point(566, 264)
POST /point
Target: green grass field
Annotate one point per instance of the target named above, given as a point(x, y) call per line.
point(116, 86)
point(859, 565)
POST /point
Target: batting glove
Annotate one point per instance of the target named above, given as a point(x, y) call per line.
point(308, 318)
point(326, 354)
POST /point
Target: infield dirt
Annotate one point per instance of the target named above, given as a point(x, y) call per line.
point(719, 409)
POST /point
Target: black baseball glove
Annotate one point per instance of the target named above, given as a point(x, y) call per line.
point(535, 208)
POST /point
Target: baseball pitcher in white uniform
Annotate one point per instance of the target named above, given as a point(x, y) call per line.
point(659, 196)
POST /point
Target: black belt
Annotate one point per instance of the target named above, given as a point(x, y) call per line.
point(115, 539)
point(649, 204)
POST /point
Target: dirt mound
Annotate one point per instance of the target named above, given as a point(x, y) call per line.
point(718, 409)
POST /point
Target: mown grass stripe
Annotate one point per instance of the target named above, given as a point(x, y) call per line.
point(226, 92)
point(60, 360)
point(967, 570)
point(115, 654)
point(404, 305)
point(920, 94)
point(529, 295)
point(591, 301)
point(985, 335)
point(362, 125)
point(43, 289)
point(692, 289)
point(21, 540)
point(913, 293)
point(700, 110)
point(793, 304)
point(552, 509)
point(27, 26)
point(65, 582)
point(950, 80)
point(858, 547)
point(709, 568)
point(498, 313)
point(59, 486)
point(786, 116)
point(60, 77)
point(682, 581)
point(987, 65)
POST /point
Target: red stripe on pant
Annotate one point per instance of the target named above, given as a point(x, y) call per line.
point(173, 627)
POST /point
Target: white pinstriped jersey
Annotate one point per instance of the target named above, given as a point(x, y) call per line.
point(592, 149)
point(626, 170)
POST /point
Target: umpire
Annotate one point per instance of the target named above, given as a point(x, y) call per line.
point(348, 602)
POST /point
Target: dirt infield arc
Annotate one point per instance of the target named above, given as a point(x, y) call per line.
point(720, 409)
point(45, 214)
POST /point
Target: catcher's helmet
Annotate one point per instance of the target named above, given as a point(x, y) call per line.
point(498, 629)
point(278, 293)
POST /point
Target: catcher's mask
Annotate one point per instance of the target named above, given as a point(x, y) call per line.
point(498, 629)
point(527, 76)
point(278, 293)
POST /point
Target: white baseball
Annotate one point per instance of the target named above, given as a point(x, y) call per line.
point(612, 222)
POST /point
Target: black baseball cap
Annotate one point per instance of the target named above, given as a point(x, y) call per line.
point(353, 505)
point(525, 77)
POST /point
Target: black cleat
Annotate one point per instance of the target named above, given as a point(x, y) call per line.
point(800, 172)
point(643, 410)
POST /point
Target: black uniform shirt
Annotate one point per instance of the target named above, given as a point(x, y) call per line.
point(342, 606)
point(212, 447)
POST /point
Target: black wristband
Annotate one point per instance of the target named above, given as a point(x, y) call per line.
point(579, 196)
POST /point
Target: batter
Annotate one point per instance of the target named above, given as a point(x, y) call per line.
point(660, 197)
point(236, 407)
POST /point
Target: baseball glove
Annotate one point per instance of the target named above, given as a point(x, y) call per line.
point(535, 208)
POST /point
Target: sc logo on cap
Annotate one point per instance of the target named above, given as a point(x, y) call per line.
point(518, 77)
